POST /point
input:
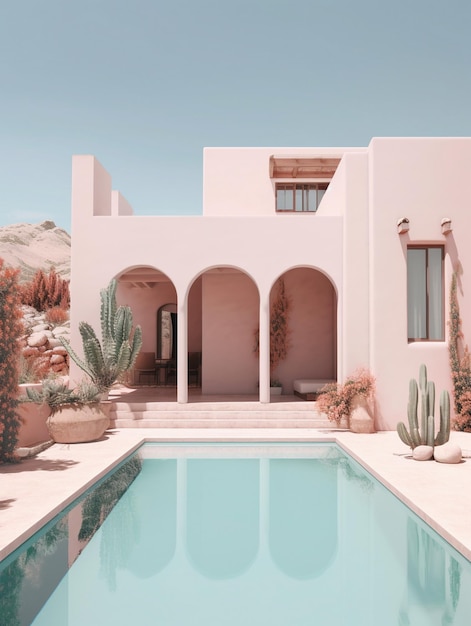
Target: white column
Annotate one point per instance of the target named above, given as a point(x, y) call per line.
point(182, 351)
point(264, 348)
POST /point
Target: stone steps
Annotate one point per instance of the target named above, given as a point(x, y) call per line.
point(217, 415)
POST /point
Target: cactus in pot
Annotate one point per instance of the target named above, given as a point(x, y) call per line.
point(424, 434)
point(106, 362)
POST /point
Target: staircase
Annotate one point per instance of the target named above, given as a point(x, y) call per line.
point(290, 413)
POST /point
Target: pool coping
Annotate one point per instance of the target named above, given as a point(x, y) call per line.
point(34, 491)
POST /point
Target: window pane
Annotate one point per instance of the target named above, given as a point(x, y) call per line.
point(298, 203)
point(312, 199)
point(284, 198)
point(416, 294)
point(435, 290)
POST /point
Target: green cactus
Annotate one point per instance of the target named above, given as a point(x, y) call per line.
point(105, 364)
point(425, 435)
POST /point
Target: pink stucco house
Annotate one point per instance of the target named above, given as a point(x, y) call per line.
point(366, 240)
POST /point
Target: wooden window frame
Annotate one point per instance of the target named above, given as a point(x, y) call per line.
point(427, 302)
point(293, 187)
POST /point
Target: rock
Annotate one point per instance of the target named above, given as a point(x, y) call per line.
point(39, 327)
point(448, 453)
point(37, 339)
point(57, 358)
point(59, 349)
point(54, 343)
point(422, 453)
point(60, 330)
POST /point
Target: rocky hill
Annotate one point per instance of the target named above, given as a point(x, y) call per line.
point(30, 247)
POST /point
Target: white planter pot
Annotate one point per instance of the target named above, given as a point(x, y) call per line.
point(362, 416)
point(78, 424)
point(276, 391)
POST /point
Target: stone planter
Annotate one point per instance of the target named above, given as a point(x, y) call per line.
point(78, 424)
point(275, 391)
point(362, 415)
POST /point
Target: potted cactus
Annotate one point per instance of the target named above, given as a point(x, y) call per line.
point(105, 363)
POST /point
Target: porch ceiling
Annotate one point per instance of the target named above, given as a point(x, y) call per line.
point(302, 167)
point(144, 278)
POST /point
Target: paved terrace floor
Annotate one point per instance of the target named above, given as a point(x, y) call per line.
point(33, 491)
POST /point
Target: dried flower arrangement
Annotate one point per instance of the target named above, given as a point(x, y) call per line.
point(335, 399)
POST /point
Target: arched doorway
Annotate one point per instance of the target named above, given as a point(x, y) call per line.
point(148, 291)
point(229, 315)
point(309, 305)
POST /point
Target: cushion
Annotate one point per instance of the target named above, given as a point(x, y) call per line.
point(306, 385)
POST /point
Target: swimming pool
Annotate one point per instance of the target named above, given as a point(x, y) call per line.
point(242, 534)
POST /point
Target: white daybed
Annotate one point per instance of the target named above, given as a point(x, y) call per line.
point(308, 388)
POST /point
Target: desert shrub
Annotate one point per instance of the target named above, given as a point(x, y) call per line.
point(57, 315)
point(33, 367)
point(46, 291)
point(11, 330)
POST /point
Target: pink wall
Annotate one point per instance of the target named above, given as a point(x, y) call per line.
point(230, 318)
point(424, 180)
point(236, 181)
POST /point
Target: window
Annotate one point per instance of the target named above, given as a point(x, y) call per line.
point(425, 293)
point(299, 197)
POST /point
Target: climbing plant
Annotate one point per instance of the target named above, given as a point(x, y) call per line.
point(10, 331)
point(279, 327)
point(460, 364)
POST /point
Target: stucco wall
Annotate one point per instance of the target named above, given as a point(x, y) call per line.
point(424, 180)
point(237, 182)
point(230, 318)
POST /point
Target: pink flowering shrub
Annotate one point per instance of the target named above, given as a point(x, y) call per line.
point(462, 421)
point(335, 400)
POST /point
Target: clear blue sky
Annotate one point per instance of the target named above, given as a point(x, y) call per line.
point(144, 85)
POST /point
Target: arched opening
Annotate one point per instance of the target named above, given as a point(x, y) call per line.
point(226, 307)
point(307, 301)
point(148, 292)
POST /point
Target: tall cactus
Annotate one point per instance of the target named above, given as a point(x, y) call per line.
point(105, 363)
point(425, 435)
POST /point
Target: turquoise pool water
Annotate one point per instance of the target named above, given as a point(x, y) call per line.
point(238, 535)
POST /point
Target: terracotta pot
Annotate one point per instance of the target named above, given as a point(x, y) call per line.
point(362, 415)
point(33, 417)
point(78, 424)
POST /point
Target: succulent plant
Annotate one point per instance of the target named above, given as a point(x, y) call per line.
point(56, 394)
point(106, 362)
point(425, 433)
